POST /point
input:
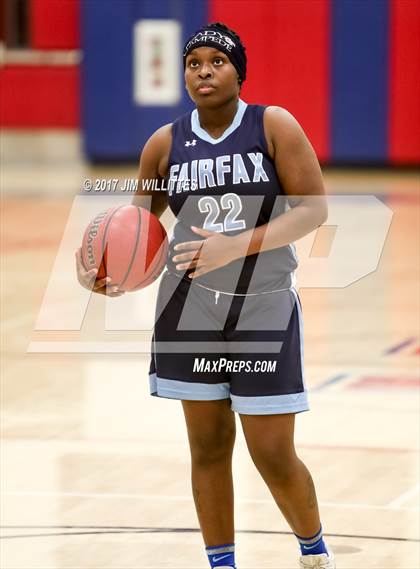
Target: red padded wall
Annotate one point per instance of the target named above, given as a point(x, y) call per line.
point(54, 24)
point(404, 102)
point(39, 96)
point(288, 45)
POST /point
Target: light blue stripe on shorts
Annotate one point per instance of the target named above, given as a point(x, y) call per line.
point(175, 389)
point(258, 405)
point(270, 404)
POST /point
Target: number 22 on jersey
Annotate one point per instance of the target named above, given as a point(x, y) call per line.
point(232, 203)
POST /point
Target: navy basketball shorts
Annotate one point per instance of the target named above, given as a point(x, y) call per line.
point(209, 346)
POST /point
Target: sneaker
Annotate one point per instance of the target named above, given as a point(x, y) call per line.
point(321, 561)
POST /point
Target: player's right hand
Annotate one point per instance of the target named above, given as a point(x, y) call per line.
point(88, 279)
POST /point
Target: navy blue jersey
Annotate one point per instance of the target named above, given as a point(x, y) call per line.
point(228, 185)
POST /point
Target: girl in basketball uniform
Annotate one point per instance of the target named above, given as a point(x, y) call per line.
point(244, 183)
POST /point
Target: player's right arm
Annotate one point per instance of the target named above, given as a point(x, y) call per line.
point(153, 166)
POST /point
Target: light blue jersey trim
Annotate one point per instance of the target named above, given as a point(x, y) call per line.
point(270, 404)
point(175, 389)
point(201, 133)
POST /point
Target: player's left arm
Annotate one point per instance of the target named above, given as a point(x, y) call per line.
point(300, 174)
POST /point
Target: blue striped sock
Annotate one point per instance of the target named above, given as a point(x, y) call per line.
point(222, 555)
point(312, 545)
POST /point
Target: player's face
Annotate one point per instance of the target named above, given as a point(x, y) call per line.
point(210, 77)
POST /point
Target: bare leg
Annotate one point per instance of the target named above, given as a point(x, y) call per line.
point(211, 435)
point(270, 440)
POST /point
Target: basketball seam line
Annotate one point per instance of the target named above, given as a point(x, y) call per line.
point(133, 255)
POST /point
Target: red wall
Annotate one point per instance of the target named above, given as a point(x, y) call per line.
point(37, 96)
point(404, 82)
point(297, 75)
point(54, 24)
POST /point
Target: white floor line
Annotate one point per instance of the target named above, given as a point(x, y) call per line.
point(160, 497)
point(412, 493)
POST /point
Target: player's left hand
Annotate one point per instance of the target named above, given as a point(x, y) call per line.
point(214, 251)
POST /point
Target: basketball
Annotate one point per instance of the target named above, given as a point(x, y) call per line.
point(127, 244)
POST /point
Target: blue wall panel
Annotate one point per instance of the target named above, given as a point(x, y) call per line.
point(359, 80)
point(115, 127)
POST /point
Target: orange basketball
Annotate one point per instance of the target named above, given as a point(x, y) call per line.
point(127, 244)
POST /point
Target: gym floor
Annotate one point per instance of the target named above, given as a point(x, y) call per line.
point(95, 472)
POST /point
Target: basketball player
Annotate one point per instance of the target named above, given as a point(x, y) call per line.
point(228, 167)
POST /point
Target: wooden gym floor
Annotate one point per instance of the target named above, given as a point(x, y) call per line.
point(95, 472)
